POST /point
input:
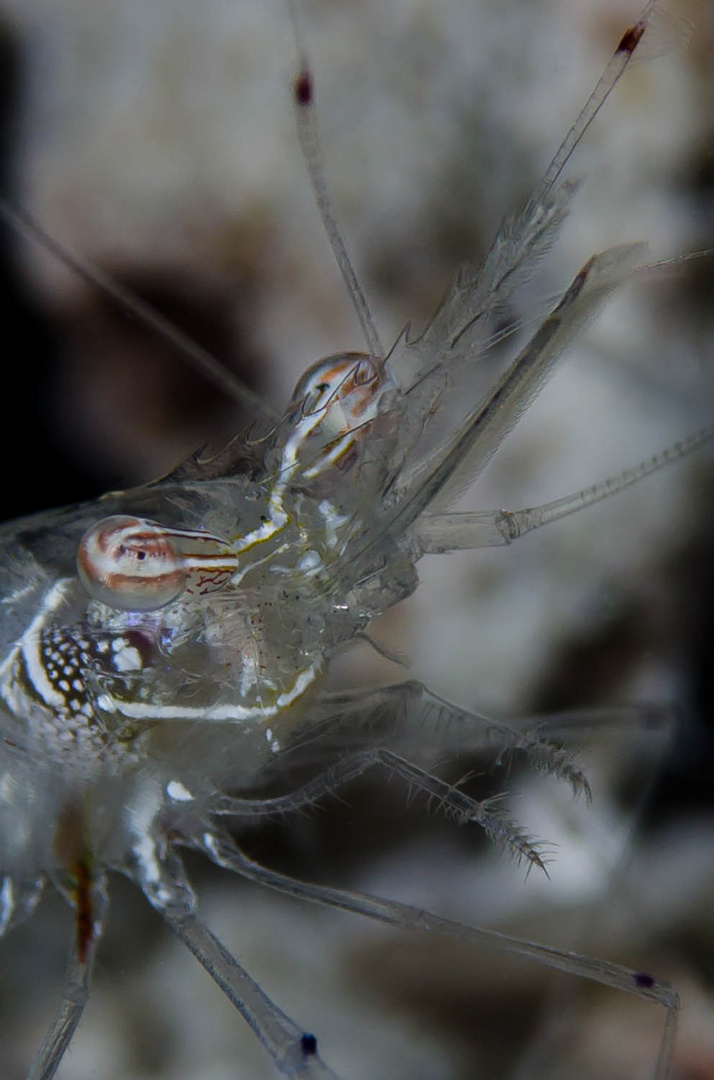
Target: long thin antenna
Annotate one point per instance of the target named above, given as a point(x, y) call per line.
point(30, 229)
point(303, 97)
point(605, 85)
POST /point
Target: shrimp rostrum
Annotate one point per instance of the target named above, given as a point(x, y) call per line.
point(164, 647)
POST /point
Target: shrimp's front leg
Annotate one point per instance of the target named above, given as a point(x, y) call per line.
point(439, 533)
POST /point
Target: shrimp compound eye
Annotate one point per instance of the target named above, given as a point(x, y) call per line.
point(321, 384)
point(344, 388)
point(131, 564)
point(332, 381)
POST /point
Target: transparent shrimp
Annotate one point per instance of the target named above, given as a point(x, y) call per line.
point(166, 648)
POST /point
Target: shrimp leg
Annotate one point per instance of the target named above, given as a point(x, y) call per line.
point(223, 852)
point(75, 992)
point(294, 1051)
point(499, 828)
point(439, 533)
point(391, 713)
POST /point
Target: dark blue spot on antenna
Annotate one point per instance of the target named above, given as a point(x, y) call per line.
point(644, 981)
point(308, 1044)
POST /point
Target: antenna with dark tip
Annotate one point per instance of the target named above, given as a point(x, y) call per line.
point(605, 85)
point(29, 228)
point(303, 98)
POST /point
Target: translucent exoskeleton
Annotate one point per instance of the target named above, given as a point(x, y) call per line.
point(167, 650)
